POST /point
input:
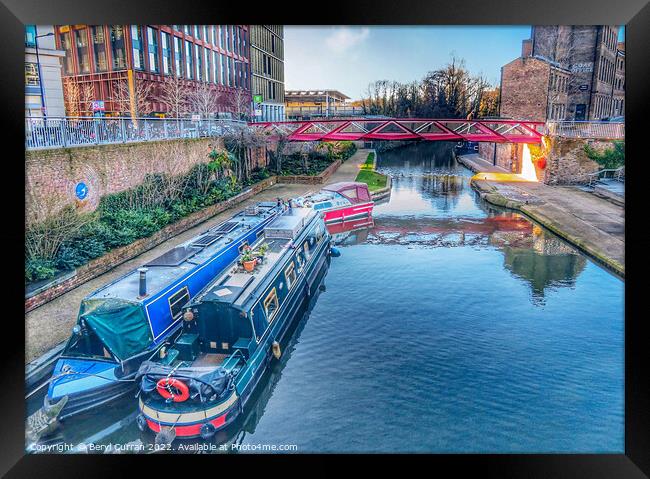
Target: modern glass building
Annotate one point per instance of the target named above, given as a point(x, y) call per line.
point(156, 70)
point(267, 60)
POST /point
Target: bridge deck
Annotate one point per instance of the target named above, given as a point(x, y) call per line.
point(395, 129)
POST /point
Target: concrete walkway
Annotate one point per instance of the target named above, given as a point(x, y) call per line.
point(51, 323)
point(593, 224)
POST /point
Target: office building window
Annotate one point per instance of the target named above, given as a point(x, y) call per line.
point(152, 46)
point(197, 31)
point(81, 40)
point(208, 65)
point(178, 56)
point(166, 53)
point(31, 75)
point(187, 29)
point(222, 36)
point(118, 49)
point(189, 60)
point(229, 38)
point(206, 33)
point(30, 36)
point(223, 69)
point(231, 71)
point(66, 44)
point(215, 69)
point(99, 48)
point(214, 35)
point(138, 47)
point(199, 63)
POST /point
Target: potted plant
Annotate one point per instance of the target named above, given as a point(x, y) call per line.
point(248, 260)
point(260, 252)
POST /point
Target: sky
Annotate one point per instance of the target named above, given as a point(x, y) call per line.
point(348, 58)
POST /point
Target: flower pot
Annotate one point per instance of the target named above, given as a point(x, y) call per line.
point(250, 265)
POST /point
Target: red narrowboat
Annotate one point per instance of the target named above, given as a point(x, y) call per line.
point(340, 201)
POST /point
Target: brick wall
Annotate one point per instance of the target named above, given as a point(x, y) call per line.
point(524, 89)
point(52, 175)
point(119, 255)
point(507, 155)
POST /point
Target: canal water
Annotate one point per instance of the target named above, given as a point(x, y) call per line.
point(446, 325)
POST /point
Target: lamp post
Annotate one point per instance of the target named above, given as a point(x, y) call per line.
point(40, 75)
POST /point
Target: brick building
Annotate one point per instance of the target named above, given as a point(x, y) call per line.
point(534, 89)
point(267, 68)
point(576, 65)
point(129, 68)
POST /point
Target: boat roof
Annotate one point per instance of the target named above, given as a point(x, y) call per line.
point(181, 259)
point(234, 285)
point(344, 185)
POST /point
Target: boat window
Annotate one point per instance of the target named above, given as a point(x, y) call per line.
point(243, 246)
point(363, 193)
point(350, 193)
point(271, 304)
point(322, 206)
point(290, 274)
point(177, 301)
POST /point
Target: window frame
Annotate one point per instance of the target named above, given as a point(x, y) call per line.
point(290, 275)
point(271, 297)
point(177, 296)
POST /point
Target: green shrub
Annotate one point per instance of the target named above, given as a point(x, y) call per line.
point(37, 269)
point(611, 158)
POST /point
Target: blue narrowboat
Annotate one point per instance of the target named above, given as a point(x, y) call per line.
point(233, 329)
point(127, 321)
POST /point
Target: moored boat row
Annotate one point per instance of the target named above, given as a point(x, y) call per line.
point(194, 330)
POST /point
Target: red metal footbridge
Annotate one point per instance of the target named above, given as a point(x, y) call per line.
point(500, 131)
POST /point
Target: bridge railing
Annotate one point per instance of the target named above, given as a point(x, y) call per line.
point(60, 132)
point(605, 130)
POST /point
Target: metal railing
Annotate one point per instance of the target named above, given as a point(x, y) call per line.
point(605, 130)
point(82, 131)
point(320, 111)
point(616, 173)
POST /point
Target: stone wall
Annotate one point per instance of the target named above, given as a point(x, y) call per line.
point(567, 162)
point(52, 175)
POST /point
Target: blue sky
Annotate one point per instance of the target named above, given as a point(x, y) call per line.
point(348, 58)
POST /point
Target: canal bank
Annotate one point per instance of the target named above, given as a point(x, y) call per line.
point(593, 224)
point(49, 324)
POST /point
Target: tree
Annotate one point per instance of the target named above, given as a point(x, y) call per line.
point(174, 96)
point(240, 102)
point(72, 96)
point(143, 96)
point(204, 99)
point(489, 104)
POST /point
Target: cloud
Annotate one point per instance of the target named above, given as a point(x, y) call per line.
point(344, 38)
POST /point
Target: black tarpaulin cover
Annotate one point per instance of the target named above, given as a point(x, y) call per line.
point(205, 384)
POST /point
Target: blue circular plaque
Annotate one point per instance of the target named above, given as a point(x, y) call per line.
point(81, 190)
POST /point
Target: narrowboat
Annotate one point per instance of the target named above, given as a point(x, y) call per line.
point(126, 322)
point(233, 329)
point(340, 201)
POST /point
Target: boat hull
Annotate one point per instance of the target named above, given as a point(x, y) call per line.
point(348, 212)
point(187, 424)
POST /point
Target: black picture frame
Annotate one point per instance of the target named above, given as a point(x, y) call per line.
point(635, 14)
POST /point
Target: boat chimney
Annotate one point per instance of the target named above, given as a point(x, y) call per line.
point(143, 282)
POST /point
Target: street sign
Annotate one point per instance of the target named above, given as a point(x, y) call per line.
point(98, 105)
point(258, 112)
point(583, 87)
point(81, 190)
point(196, 117)
point(258, 98)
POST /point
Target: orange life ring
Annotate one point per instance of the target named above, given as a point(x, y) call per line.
point(165, 385)
point(541, 163)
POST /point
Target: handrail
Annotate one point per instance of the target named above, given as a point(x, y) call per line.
point(62, 132)
point(618, 173)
